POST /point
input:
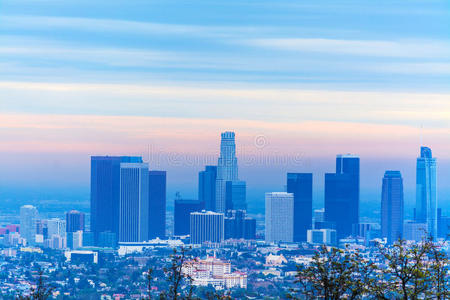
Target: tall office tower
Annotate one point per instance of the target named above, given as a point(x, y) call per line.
point(235, 195)
point(392, 206)
point(74, 221)
point(426, 194)
point(157, 204)
point(250, 229)
point(300, 184)
point(28, 217)
point(105, 193)
point(207, 187)
point(206, 226)
point(342, 195)
point(133, 212)
point(182, 214)
point(279, 217)
point(234, 224)
point(56, 227)
point(227, 169)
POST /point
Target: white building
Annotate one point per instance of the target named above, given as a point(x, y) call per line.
point(279, 217)
point(28, 217)
point(56, 226)
point(215, 272)
point(207, 227)
point(322, 237)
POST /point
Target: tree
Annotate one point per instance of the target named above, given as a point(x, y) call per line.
point(332, 274)
point(42, 290)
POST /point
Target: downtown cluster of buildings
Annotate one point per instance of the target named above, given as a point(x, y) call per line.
point(128, 207)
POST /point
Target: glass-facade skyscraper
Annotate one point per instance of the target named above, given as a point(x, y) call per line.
point(157, 204)
point(426, 193)
point(74, 221)
point(392, 206)
point(207, 187)
point(300, 184)
point(206, 226)
point(342, 195)
point(227, 168)
point(105, 189)
point(28, 217)
point(235, 195)
point(182, 214)
point(279, 217)
point(133, 209)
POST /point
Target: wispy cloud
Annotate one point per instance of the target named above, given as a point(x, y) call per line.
point(405, 48)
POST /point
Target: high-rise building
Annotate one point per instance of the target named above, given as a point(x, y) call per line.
point(28, 218)
point(56, 227)
point(157, 204)
point(300, 184)
point(322, 237)
point(206, 227)
point(279, 217)
point(182, 214)
point(392, 206)
point(342, 195)
point(105, 193)
point(74, 221)
point(414, 231)
point(133, 213)
point(227, 168)
point(426, 193)
point(207, 187)
point(239, 226)
point(235, 195)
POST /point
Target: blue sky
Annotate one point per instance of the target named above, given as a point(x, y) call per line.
point(318, 78)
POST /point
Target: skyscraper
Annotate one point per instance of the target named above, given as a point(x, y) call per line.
point(227, 169)
point(279, 217)
point(235, 195)
point(426, 193)
point(300, 184)
point(56, 227)
point(105, 193)
point(74, 221)
point(182, 214)
point(206, 226)
point(28, 217)
point(392, 206)
point(133, 210)
point(342, 195)
point(157, 204)
point(207, 187)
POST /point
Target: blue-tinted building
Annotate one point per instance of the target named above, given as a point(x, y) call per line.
point(157, 204)
point(74, 221)
point(235, 195)
point(206, 227)
point(392, 206)
point(182, 214)
point(105, 189)
point(342, 195)
point(426, 191)
point(133, 213)
point(300, 184)
point(207, 187)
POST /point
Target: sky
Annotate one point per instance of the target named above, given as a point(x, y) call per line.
point(299, 82)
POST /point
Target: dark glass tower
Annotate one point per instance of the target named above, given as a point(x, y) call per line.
point(342, 195)
point(157, 204)
point(392, 206)
point(74, 221)
point(300, 184)
point(105, 192)
point(207, 187)
point(182, 214)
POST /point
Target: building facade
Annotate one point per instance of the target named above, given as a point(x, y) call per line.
point(74, 221)
point(300, 184)
point(133, 210)
point(28, 217)
point(426, 192)
point(182, 215)
point(279, 217)
point(207, 227)
point(157, 204)
point(207, 187)
point(392, 206)
point(342, 195)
